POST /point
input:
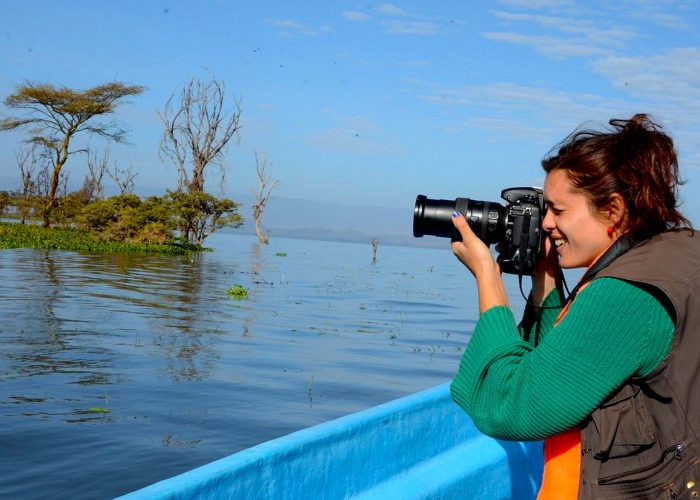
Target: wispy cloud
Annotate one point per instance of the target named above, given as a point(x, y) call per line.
point(661, 85)
point(396, 21)
point(355, 16)
point(509, 96)
point(587, 28)
point(659, 12)
point(563, 36)
point(558, 48)
point(295, 28)
point(521, 112)
point(672, 76)
point(390, 9)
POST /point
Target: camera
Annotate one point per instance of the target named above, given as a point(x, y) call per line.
point(515, 228)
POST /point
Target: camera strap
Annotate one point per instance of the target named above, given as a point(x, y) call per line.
point(619, 247)
point(533, 313)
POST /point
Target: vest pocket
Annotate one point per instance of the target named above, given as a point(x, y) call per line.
point(623, 425)
point(676, 475)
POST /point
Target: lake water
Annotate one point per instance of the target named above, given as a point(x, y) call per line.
point(117, 371)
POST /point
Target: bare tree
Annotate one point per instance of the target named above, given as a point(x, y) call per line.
point(93, 188)
point(197, 128)
point(27, 161)
point(124, 178)
point(55, 115)
point(266, 184)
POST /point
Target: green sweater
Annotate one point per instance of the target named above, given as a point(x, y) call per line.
point(516, 390)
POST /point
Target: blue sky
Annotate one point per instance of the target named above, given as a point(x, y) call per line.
point(371, 103)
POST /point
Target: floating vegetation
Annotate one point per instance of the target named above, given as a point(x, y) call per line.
point(238, 291)
point(14, 235)
point(281, 254)
point(97, 409)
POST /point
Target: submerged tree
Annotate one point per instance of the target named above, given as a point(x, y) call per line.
point(27, 162)
point(197, 128)
point(265, 187)
point(55, 115)
point(200, 214)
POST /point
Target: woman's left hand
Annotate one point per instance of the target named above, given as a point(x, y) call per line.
point(475, 254)
point(471, 251)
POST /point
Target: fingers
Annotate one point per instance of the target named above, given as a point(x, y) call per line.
point(461, 225)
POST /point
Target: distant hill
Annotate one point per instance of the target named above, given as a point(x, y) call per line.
point(308, 219)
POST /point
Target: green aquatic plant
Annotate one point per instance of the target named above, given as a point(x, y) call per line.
point(281, 254)
point(33, 236)
point(238, 291)
point(96, 409)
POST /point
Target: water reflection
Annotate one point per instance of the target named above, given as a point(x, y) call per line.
point(159, 369)
point(63, 304)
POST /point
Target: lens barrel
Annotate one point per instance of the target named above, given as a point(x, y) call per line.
point(434, 217)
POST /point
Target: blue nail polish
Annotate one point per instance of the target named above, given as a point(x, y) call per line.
point(456, 214)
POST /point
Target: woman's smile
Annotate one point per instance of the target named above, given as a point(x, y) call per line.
point(577, 230)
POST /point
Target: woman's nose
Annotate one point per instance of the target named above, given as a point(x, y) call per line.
point(548, 221)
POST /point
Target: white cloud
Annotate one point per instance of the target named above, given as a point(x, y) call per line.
point(589, 29)
point(673, 76)
point(293, 28)
point(390, 9)
point(657, 12)
point(522, 112)
point(563, 36)
point(559, 48)
point(355, 16)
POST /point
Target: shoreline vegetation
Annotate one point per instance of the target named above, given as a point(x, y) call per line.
point(17, 235)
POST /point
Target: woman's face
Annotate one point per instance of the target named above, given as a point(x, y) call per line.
point(577, 230)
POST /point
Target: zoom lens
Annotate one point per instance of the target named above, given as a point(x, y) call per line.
point(434, 217)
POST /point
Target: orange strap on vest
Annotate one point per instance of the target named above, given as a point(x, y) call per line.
point(562, 457)
point(562, 466)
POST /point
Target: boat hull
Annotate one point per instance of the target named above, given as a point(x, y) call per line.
point(420, 446)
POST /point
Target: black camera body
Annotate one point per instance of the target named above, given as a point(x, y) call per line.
point(515, 228)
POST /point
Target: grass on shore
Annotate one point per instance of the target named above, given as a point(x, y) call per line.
point(13, 235)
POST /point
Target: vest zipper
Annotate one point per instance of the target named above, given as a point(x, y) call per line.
point(679, 450)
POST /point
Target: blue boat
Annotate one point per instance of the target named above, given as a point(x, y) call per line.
point(420, 446)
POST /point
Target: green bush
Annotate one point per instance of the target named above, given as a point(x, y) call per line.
point(127, 218)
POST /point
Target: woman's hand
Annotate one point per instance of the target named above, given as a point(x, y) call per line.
point(471, 251)
point(476, 256)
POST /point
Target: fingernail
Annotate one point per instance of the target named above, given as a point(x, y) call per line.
point(456, 214)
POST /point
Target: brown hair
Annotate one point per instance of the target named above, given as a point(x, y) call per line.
point(634, 158)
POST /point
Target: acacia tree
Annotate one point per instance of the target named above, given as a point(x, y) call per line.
point(266, 184)
point(55, 115)
point(197, 128)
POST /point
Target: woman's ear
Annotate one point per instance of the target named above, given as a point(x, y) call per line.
point(616, 210)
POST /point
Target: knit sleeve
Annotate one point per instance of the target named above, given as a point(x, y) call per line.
point(512, 390)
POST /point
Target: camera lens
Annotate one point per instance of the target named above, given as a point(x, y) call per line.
point(434, 217)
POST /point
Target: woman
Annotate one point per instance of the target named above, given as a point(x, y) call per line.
point(610, 379)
